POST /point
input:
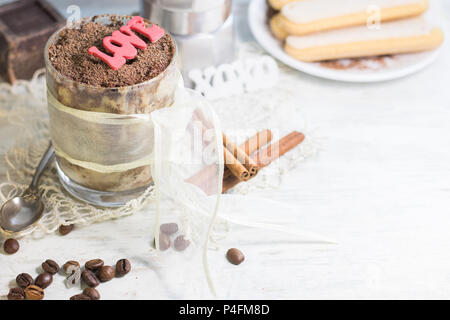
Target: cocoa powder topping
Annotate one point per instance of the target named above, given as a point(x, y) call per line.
point(69, 55)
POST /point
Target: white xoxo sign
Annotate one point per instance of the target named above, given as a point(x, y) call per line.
point(235, 78)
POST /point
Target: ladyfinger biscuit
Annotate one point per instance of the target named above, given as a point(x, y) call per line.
point(278, 4)
point(310, 16)
point(403, 36)
point(276, 28)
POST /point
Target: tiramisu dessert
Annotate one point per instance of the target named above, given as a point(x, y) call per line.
point(104, 77)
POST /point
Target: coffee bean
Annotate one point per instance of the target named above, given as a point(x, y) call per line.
point(106, 273)
point(24, 280)
point(235, 256)
point(44, 280)
point(64, 230)
point(181, 243)
point(92, 293)
point(90, 278)
point(94, 264)
point(69, 264)
point(34, 293)
point(123, 266)
point(80, 297)
point(169, 228)
point(11, 246)
point(50, 266)
point(16, 294)
point(164, 242)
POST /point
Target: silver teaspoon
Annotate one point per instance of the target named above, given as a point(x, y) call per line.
point(21, 212)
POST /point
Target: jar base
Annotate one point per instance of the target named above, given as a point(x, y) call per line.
point(95, 197)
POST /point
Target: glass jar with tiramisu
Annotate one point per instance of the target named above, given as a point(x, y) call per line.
point(100, 104)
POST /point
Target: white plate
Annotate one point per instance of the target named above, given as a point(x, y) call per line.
point(390, 68)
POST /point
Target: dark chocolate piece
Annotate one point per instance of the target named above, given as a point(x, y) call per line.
point(25, 27)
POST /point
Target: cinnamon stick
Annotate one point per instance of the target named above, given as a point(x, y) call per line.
point(241, 157)
point(235, 166)
point(257, 141)
point(253, 144)
point(267, 155)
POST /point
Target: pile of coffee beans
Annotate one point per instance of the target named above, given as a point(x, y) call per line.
point(94, 272)
point(33, 289)
point(169, 230)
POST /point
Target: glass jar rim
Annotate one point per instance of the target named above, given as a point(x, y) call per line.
point(49, 66)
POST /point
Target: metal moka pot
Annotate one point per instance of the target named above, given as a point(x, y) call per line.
point(202, 29)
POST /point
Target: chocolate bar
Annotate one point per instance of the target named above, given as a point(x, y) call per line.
point(25, 26)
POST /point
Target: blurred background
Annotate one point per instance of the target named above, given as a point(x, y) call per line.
point(90, 8)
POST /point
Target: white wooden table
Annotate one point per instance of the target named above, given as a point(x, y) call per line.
point(380, 187)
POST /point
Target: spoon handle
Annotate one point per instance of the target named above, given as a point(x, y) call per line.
point(46, 159)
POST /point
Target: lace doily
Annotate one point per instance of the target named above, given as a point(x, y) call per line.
point(23, 118)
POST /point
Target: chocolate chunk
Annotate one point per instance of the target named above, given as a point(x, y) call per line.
point(25, 27)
